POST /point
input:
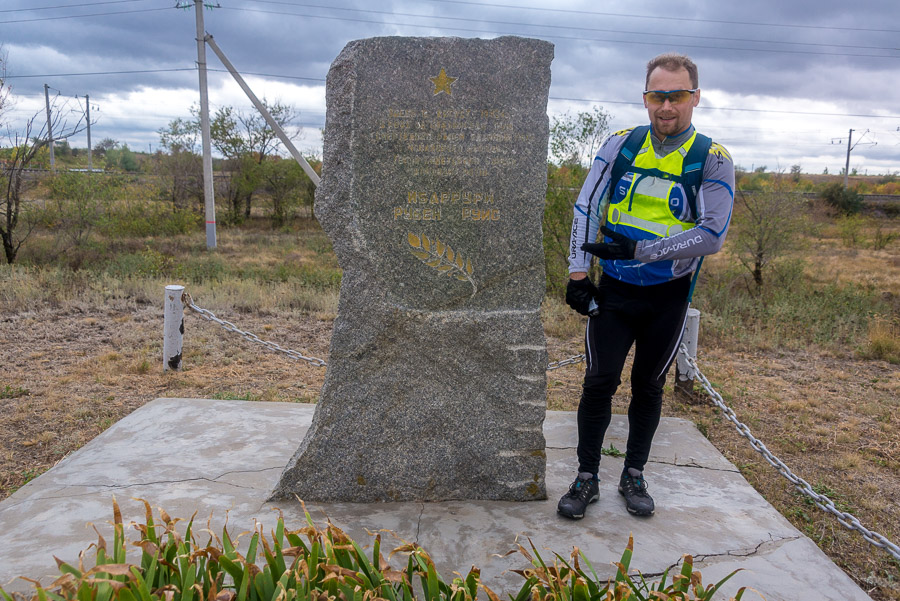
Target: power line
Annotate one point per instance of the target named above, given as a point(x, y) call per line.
point(725, 108)
point(555, 36)
point(272, 75)
point(121, 12)
point(566, 99)
point(569, 27)
point(665, 18)
point(32, 8)
point(155, 71)
point(102, 73)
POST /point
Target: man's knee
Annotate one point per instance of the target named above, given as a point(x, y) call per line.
point(647, 392)
point(599, 387)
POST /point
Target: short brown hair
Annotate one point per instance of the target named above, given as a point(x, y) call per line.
point(672, 61)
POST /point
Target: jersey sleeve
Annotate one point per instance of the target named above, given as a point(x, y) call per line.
point(715, 203)
point(590, 203)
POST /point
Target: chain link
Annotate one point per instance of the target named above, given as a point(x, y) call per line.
point(564, 362)
point(821, 501)
point(230, 327)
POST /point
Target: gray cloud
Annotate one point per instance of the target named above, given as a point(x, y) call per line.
point(598, 57)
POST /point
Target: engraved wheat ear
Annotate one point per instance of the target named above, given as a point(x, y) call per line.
point(443, 258)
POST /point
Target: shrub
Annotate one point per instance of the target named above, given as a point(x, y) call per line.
point(78, 203)
point(851, 230)
point(563, 184)
point(148, 263)
point(845, 200)
point(140, 218)
point(881, 238)
point(326, 565)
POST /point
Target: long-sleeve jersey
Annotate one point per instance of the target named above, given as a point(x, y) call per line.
point(681, 251)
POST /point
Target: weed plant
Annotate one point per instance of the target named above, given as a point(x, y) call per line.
point(324, 565)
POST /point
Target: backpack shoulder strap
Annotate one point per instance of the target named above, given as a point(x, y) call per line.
point(626, 155)
point(692, 175)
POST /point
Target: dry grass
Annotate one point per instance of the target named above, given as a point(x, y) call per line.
point(838, 261)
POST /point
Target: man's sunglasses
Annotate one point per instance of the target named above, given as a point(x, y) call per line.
point(673, 96)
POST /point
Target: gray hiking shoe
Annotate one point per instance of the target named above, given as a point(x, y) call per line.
point(582, 493)
point(633, 487)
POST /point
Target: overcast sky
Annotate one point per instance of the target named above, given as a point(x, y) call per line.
point(782, 80)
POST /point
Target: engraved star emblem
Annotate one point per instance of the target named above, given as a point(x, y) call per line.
point(442, 82)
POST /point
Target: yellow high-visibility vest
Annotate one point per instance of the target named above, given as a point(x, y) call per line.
point(654, 200)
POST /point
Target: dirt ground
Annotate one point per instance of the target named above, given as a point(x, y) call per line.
point(70, 372)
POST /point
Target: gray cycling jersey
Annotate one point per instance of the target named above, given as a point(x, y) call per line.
point(714, 202)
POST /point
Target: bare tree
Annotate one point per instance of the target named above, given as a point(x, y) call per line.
point(25, 145)
point(767, 223)
point(574, 139)
point(4, 89)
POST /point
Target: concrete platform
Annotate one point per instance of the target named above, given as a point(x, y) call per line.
point(188, 455)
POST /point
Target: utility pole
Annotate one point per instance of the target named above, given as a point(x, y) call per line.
point(208, 190)
point(847, 166)
point(87, 103)
point(49, 126)
point(851, 146)
point(279, 131)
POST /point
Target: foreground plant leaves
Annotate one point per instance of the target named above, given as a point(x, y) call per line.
point(327, 566)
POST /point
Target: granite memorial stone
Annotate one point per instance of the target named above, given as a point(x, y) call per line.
point(432, 194)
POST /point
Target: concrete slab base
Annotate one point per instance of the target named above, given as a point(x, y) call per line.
point(213, 457)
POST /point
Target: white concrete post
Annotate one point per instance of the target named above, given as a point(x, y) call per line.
point(684, 375)
point(173, 328)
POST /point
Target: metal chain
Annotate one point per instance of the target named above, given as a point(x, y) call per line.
point(570, 361)
point(822, 502)
point(230, 327)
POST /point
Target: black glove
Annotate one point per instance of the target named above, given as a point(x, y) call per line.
point(621, 247)
point(580, 293)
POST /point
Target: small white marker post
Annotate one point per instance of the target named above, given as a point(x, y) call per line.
point(684, 375)
point(173, 328)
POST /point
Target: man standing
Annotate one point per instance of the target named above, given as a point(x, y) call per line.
point(666, 195)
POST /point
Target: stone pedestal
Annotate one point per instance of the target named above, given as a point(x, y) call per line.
point(432, 193)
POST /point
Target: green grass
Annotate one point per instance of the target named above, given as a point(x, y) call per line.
point(229, 395)
point(13, 392)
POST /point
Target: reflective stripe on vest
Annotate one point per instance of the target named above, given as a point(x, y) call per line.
point(662, 230)
point(653, 185)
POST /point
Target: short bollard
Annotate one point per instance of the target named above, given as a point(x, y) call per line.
point(684, 374)
point(173, 328)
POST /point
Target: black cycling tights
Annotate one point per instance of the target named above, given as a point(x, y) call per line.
point(651, 318)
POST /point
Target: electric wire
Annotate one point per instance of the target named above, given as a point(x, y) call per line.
point(556, 36)
point(570, 27)
point(461, 19)
point(121, 12)
point(560, 98)
point(745, 110)
point(33, 8)
point(667, 17)
point(129, 72)
point(270, 75)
